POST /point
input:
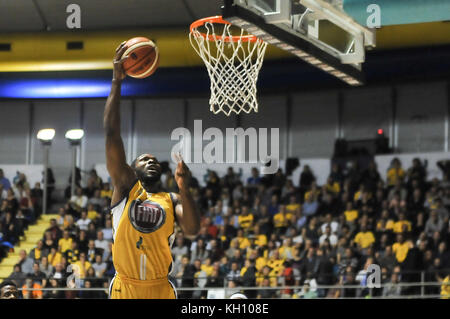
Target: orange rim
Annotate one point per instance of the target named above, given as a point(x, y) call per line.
point(211, 37)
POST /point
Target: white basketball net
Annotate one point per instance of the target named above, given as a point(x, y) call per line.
point(233, 68)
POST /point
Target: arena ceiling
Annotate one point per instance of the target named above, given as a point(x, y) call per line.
point(50, 15)
point(36, 35)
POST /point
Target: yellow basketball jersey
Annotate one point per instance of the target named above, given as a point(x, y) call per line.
point(143, 233)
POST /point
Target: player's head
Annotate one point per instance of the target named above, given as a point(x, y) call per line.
point(8, 290)
point(238, 296)
point(147, 168)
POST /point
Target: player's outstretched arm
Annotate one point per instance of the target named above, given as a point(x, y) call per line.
point(186, 211)
point(122, 175)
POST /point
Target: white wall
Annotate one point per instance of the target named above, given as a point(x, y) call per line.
point(422, 110)
point(314, 123)
point(365, 111)
point(14, 123)
point(32, 172)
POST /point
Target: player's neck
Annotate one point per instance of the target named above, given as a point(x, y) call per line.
point(153, 188)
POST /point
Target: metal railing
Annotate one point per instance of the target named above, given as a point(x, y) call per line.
point(295, 290)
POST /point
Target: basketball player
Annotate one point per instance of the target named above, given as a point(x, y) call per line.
point(143, 216)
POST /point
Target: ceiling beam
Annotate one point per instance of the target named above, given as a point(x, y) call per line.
point(44, 21)
point(190, 11)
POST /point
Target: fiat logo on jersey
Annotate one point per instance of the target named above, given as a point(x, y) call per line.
point(146, 216)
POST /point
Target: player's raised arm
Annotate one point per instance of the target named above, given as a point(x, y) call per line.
point(186, 211)
point(121, 173)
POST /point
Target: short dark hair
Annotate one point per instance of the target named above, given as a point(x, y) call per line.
point(7, 283)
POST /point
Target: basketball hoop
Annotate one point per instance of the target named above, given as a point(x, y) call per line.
point(233, 63)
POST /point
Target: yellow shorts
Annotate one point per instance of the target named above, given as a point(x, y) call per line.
point(126, 288)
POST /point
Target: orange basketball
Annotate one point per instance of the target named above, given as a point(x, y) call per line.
point(143, 58)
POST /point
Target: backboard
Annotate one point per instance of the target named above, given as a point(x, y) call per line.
point(317, 31)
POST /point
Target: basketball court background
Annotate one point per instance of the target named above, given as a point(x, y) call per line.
point(51, 76)
point(310, 108)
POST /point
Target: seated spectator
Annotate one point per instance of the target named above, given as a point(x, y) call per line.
point(180, 249)
point(348, 260)
point(82, 266)
point(260, 239)
point(83, 222)
point(248, 278)
point(312, 230)
point(306, 292)
point(286, 250)
point(266, 272)
point(276, 263)
point(46, 267)
point(401, 248)
point(388, 260)
point(273, 207)
point(306, 177)
point(348, 280)
point(245, 219)
point(207, 267)
point(334, 225)
point(65, 243)
point(6, 184)
point(92, 251)
point(73, 253)
point(238, 258)
point(215, 252)
point(60, 272)
point(235, 273)
point(39, 251)
point(78, 201)
point(395, 172)
point(54, 294)
point(38, 276)
point(265, 220)
point(54, 230)
point(106, 191)
point(281, 220)
point(17, 276)
point(293, 207)
point(91, 232)
point(328, 235)
point(25, 262)
point(255, 179)
point(402, 225)
point(200, 279)
point(350, 213)
point(365, 238)
point(243, 242)
point(99, 266)
point(393, 288)
point(385, 224)
point(445, 288)
point(101, 242)
point(433, 224)
point(22, 222)
point(10, 230)
point(92, 213)
point(54, 257)
point(442, 210)
point(310, 205)
point(198, 250)
point(83, 241)
point(31, 294)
